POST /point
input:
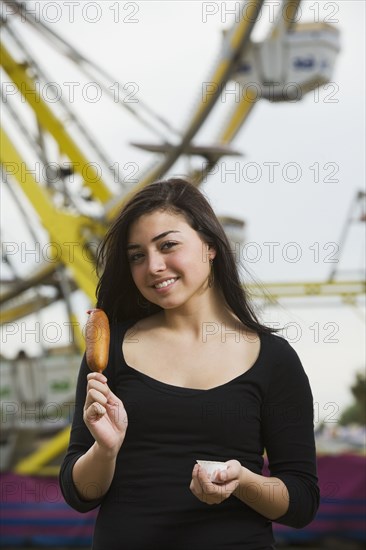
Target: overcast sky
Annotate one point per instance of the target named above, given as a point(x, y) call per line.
point(165, 52)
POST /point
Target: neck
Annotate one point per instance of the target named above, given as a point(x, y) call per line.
point(203, 317)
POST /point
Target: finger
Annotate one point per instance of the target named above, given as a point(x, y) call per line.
point(209, 487)
point(113, 399)
point(232, 472)
point(117, 413)
point(209, 494)
point(203, 476)
point(99, 386)
point(198, 490)
point(94, 412)
point(205, 482)
point(194, 481)
point(234, 468)
point(201, 480)
point(195, 485)
point(95, 396)
point(97, 376)
point(103, 388)
point(222, 476)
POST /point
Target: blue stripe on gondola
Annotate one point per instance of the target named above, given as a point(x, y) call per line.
point(33, 506)
point(75, 519)
point(12, 541)
point(65, 541)
point(90, 521)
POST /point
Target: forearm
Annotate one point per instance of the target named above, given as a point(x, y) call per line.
point(93, 472)
point(266, 495)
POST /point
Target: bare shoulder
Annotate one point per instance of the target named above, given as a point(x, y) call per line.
point(145, 326)
point(240, 331)
point(145, 333)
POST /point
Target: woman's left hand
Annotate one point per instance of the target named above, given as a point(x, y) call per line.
point(223, 485)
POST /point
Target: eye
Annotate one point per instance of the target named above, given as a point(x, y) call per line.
point(135, 257)
point(168, 244)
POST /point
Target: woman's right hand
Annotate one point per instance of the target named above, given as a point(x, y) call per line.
point(104, 414)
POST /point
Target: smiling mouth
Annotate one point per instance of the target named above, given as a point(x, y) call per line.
point(166, 283)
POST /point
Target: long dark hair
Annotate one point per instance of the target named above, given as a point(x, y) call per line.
point(117, 293)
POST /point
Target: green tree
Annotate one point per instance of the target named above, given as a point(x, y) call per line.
point(356, 412)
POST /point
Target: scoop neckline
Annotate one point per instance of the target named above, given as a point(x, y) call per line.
point(171, 388)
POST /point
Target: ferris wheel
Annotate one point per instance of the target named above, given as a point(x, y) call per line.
point(55, 171)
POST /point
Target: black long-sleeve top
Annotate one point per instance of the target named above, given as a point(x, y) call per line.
point(149, 503)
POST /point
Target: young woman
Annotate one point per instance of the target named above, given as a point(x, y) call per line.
point(192, 374)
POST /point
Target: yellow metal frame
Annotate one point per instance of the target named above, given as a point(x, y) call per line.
point(37, 461)
point(63, 227)
point(48, 120)
point(346, 290)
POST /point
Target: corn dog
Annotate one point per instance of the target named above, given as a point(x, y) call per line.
point(97, 336)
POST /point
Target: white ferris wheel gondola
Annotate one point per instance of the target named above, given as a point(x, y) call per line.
point(290, 63)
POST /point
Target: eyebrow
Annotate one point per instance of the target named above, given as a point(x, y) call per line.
point(156, 238)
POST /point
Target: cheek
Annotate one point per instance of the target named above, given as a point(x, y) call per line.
point(136, 273)
point(191, 267)
point(186, 265)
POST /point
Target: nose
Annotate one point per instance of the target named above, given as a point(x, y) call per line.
point(156, 262)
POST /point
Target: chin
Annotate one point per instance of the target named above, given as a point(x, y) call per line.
point(168, 304)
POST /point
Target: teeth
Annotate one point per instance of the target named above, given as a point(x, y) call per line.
point(165, 283)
